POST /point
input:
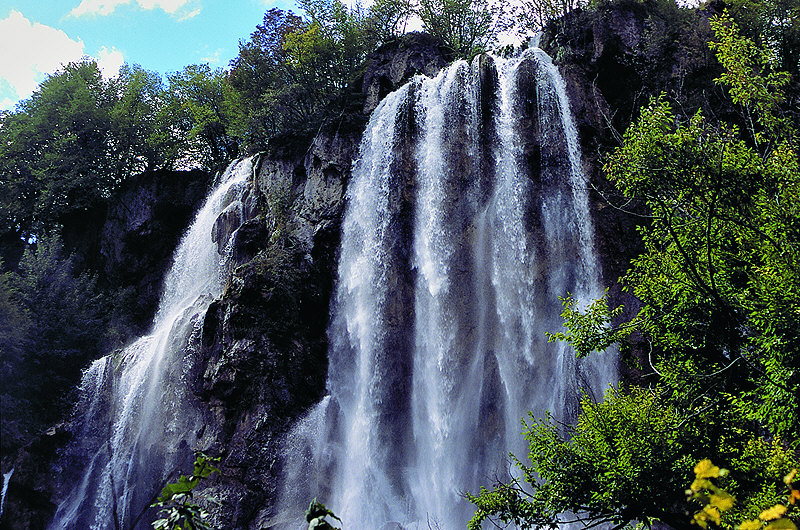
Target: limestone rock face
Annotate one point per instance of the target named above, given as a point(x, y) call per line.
point(142, 228)
point(395, 63)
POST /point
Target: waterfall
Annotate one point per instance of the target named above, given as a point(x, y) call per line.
point(467, 217)
point(6, 480)
point(136, 420)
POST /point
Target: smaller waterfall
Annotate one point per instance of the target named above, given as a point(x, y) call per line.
point(6, 481)
point(137, 422)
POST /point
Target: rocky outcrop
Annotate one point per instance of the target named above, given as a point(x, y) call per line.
point(142, 228)
point(395, 63)
point(263, 357)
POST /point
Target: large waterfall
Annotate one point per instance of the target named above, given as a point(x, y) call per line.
point(136, 420)
point(467, 217)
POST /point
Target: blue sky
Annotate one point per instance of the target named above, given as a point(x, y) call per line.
point(36, 36)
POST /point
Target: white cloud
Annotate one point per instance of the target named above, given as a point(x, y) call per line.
point(212, 58)
point(170, 6)
point(37, 50)
point(190, 14)
point(97, 7)
point(106, 7)
point(109, 61)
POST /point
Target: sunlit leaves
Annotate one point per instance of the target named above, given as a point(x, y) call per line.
point(177, 509)
point(591, 329)
point(716, 501)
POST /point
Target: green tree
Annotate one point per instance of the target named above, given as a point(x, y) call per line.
point(53, 154)
point(388, 19)
point(535, 14)
point(14, 328)
point(257, 72)
point(294, 72)
point(202, 105)
point(66, 317)
point(467, 27)
point(143, 136)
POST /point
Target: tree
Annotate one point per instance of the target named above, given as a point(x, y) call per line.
point(64, 318)
point(467, 27)
point(53, 154)
point(257, 71)
point(202, 106)
point(389, 18)
point(143, 136)
point(295, 72)
point(625, 461)
point(535, 14)
point(14, 328)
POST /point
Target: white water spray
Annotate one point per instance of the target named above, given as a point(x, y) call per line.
point(463, 227)
point(135, 414)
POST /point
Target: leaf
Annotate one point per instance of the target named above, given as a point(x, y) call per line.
point(794, 495)
point(705, 469)
point(713, 513)
point(701, 484)
point(788, 479)
point(722, 500)
point(781, 524)
point(751, 524)
point(775, 512)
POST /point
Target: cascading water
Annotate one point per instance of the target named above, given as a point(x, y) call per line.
point(6, 480)
point(135, 430)
point(467, 217)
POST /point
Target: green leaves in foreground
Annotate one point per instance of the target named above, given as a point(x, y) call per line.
point(603, 469)
point(716, 501)
point(592, 329)
point(177, 509)
point(316, 514)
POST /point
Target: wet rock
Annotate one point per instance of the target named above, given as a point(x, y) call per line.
point(396, 62)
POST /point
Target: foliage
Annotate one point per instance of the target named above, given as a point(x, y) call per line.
point(590, 330)
point(389, 18)
point(294, 71)
point(53, 150)
point(716, 501)
point(141, 137)
point(68, 147)
point(316, 514)
point(772, 24)
point(535, 14)
point(601, 470)
point(750, 78)
point(467, 27)
point(55, 314)
point(203, 108)
point(177, 509)
point(718, 280)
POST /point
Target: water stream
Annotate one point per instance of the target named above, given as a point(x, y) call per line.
point(136, 419)
point(467, 217)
